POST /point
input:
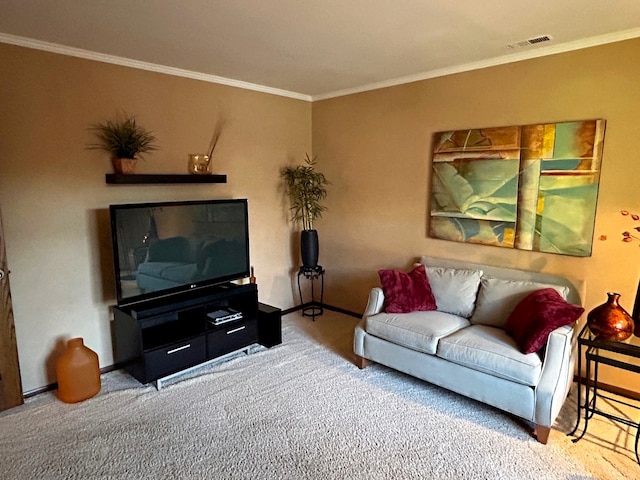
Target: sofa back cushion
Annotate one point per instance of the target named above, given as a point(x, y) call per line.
point(498, 297)
point(455, 290)
point(577, 288)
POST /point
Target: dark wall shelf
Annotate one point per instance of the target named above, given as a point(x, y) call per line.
point(122, 179)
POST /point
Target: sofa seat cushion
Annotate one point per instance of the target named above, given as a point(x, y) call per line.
point(491, 350)
point(416, 330)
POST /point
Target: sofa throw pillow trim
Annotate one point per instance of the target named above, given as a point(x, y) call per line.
point(498, 297)
point(454, 289)
point(537, 315)
point(406, 292)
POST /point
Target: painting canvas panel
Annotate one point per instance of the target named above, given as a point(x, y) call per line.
point(531, 187)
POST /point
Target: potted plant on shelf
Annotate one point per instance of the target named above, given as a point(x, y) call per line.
point(306, 188)
point(125, 140)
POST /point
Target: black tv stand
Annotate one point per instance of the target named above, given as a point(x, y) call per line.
point(159, 338)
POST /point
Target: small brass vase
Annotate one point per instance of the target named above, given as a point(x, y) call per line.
point(199, 164)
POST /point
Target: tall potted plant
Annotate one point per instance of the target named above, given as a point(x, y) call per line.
point(125, 140)
point(306, 188)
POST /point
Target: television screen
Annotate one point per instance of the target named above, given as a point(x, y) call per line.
point(165, 248)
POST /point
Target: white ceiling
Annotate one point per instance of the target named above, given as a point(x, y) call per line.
point(313, 49)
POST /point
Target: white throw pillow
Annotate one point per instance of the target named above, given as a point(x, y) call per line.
point(455, 290)
point(498, 297)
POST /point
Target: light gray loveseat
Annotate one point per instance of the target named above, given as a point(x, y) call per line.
point(463, 347)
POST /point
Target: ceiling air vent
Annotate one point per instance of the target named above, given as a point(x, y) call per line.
point(531, 41)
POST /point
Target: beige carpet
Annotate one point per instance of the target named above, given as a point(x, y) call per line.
point(300, 410)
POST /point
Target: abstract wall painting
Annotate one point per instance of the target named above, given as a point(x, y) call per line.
point(530, 187)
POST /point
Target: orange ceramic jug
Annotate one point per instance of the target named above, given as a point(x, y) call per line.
point(78, 372)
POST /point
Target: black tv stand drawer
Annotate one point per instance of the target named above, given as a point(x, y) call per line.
point(175, 357)
point(231, 336)
point(158, 338)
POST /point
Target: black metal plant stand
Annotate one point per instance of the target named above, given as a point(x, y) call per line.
point(313, 308)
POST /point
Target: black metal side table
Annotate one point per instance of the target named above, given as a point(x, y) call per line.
point(313, 308)
point(625, 356)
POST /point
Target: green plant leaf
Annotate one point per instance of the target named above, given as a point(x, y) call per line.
point(123, 138)
point(306, 188)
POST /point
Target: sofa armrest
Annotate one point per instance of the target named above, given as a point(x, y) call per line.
point(358, 338)
point(375, 302)
point(556, 376)
point(374, 305)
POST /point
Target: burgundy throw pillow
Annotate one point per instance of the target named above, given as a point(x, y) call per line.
point(406, 292)
point(537, 315)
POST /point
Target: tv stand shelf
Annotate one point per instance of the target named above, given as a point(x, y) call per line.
point(158, 338)
point(128, 179)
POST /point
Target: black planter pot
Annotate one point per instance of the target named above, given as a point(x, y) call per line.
point(309, 248)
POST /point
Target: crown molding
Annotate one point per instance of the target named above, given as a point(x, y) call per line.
point(502, 60)
point(152, 67)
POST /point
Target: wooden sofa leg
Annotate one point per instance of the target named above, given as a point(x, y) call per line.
point(361, 362)
point(542, 433)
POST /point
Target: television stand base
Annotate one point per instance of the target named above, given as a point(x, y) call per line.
point(248, 350)
point(159, 339)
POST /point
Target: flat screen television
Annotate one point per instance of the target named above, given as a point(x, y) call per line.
point(166, 248)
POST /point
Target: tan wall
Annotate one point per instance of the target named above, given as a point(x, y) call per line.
point(375, 147)
point(54, 198)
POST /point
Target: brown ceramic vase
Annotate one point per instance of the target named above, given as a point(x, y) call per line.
point(610, 321)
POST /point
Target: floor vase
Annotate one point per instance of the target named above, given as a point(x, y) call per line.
point(78, 372)
point(309, 248)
